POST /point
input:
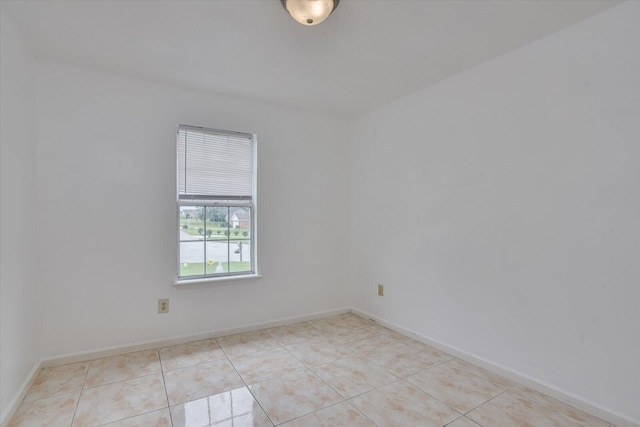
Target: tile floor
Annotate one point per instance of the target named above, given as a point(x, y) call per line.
point(337, 371)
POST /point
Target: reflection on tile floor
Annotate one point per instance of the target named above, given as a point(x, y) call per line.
point(336, 371)
point(234, 408)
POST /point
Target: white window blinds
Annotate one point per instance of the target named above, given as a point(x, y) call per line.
point(214, 165)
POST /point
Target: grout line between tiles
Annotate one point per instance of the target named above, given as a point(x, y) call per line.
point(88, 362)
point(432, 396)
point(473, 421)
point(307, 368)
point(245, 383)
point(75, 410)
point(487, 401)
point(119, 381)
point(328, 385)
point(466, 418)
point(164, 383)
point(359, 411)
point(327, 407)
point(443, 402)
point(553, 410)
point(132, 416)
point(166, 392)
point(373, 389)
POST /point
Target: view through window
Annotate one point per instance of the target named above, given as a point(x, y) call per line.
point(216, 202)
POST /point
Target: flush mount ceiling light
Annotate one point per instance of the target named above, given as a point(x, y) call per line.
point(310, 12)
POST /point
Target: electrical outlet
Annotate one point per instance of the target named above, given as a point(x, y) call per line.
point(380, 290)
point(163, 305)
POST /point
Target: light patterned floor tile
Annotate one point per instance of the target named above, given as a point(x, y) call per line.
point(562, 408)
point(318, 351)
point(321, 338)
point(322, 324)
point(123, 367)
point(235, 408)
point(300, 374)
point(371, 343)
point(189, 354)
point(117, 401)
point(293, 395)
point(393, 334)
point(351, 318)
point(50, 412)
point(402, 405)
point(426, 348)
point(458, 389)
point(481, 372)
point(262, 365)
point(336, 329)
point(353, 376)
point(290, 334)
point(159, 418)
point(345, 328)
point(509, 409)
point(340, 415)
point(355, 321)
point(403, 360)
point(463, 422)
point(206, 379)
point(57, 380)
point(347, 320)
point(344, 335)
point(248, 342)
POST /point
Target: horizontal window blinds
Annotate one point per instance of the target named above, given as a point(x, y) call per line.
point(214, 164)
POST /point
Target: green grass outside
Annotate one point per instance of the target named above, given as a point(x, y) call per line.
point(198, 268)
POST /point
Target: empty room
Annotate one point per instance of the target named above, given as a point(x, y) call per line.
point(320, 213)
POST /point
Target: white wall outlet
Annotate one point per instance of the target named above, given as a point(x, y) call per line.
point(380, 290)
point(163, 305)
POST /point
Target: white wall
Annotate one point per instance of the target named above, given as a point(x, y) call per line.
point(106, 179)
point(18, 262)
point(501, 209)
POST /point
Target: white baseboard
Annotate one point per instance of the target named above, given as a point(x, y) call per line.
point(548, 389)
point(11, 409)
point(152, 345)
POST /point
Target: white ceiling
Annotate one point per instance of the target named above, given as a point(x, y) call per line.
point(368, 52)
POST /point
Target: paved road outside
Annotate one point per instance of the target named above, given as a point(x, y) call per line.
point(193, 251)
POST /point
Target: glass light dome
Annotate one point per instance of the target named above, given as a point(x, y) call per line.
point(310, 12)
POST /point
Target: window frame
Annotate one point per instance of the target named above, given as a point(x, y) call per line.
point(219, 201)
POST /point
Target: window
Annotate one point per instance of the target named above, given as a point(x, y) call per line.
point(216, 203)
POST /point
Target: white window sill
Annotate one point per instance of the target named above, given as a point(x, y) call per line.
point(212, 280)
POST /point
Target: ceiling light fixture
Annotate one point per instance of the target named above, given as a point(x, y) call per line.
point(310, 12)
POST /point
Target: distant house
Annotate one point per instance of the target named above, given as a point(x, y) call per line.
point(240, 218)
point(189, 212)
